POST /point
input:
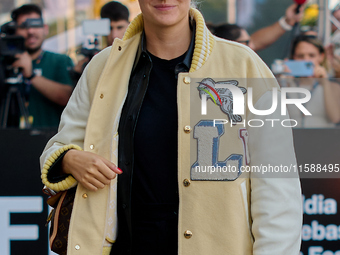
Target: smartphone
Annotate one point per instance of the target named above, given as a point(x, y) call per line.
point(300, 68)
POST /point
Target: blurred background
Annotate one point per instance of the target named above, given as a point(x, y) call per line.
point(23, 208)
point(65, 17)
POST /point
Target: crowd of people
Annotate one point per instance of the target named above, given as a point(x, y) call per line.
point(323, 85)
point(50, 77)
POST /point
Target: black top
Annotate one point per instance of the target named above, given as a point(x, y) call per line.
point(147, 192)
point(155, 150)
point(154, 184)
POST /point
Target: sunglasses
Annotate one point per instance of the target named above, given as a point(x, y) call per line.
point(301, 37)
point(246, 42)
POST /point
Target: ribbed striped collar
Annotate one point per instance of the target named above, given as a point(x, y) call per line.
point(204, 40)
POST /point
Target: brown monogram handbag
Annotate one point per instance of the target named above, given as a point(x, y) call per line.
point(60, 216)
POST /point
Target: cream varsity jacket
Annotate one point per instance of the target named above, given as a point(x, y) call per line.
point(243, 216)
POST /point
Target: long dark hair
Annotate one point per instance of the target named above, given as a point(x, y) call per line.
point(227, 31)
point(308, 39)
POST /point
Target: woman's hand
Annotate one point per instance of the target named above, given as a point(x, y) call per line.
point(333, 59)
point(320, 72)
point(292, 17)
point(89, 169)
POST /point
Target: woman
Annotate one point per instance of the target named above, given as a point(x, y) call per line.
point(139, 91)
point(235, 33)
point(324, 104)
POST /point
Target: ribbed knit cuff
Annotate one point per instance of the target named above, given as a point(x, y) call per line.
point(69, 181)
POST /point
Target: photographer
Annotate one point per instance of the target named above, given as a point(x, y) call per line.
point(324, 104)
point(119, 21)
point(46, 74)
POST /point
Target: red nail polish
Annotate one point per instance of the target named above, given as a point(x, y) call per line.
point(119, 169)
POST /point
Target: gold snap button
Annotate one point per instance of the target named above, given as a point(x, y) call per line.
point(186, 183)
point(101, 96)
point(187, 129)
point(119, 48)
point(84, 195)
point(186, 80)
point(91, 146)
point(187, 234)
point(77, 247)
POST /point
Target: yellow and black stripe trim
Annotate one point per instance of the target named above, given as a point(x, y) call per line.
point(69, 181)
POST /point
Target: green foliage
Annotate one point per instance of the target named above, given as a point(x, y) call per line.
point(311, 15)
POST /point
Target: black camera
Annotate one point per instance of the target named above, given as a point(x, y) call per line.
point(94, 29)
point(88, 53)
point(10, 44)
point(12, 87)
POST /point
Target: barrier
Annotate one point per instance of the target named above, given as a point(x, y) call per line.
point(23, 208)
